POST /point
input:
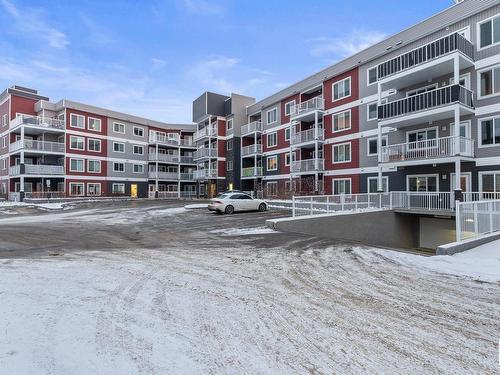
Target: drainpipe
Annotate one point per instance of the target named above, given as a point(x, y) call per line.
point(380, 188)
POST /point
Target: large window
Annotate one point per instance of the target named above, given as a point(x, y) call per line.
point(372, 110)
point(372, 145)
point(489, 81)
point(229, 165)
point(287, 134)
point(272, 163)
point(138, 132)
point(94, 145)
point(118, 188)
point(372, 75)
point(138, 168)
point(94, 166)
point(489, 32)
point(342, 121)
point(422, 135)
point(289, 107)
point(138, 150)
point(94, 124)
point(342, 153)
point(272, 116)
point(272, 140)
point(118, 167)
point(76, 189)
point(373, 184)
point(118, 128)
point(342, 89)
point(76, 165)
point(229, 145)
point(422, 183)
point(77, 121)
point(76, 143)
point(229, 124)
point(341, 186)
point(93, 189)
point(490, 131)
point(118, 147)
point(489, 182)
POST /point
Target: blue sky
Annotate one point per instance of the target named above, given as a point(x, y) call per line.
point(152, 58)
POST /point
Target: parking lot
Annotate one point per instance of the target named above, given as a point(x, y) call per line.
point(150, 287)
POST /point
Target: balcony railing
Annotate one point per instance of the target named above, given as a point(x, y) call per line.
point(163, 139)
point(163, 175)
point(205, 153)
point(421, 55)
point(204, 174)
point(251, 150)
point(428, 100)
point(252, 127)
point(307, 136)
point(207, 131)
point(187, 142)
point(186, 176)
point(38, 121)
point(314, 104)
point(427, 149)
point(308, 165)
point(168, 158)
point(251, 172)
point(37, 169)
point(187, 160)
point(39, 146)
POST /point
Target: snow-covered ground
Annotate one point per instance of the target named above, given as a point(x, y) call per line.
point(243, 231)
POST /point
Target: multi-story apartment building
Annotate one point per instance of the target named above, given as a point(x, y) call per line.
point(419, 111)
point(72, 149)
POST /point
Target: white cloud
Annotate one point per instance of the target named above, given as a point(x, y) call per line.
point(32, 22)
point(213, 73)
point(345, 45)
point(203, 7)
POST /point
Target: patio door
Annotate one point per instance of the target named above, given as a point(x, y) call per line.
point(465, 183)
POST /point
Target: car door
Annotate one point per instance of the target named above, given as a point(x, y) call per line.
point(247, 202)
point(235, 201)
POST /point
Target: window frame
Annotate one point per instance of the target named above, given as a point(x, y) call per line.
point(139, 147)
point(376, 139)
point(478, 81)
point(229, 142)
point(78, 160)
point(478, 33)
point(275, 109)
point(337, 83)
point(99, 141)
point(76, 183)
point(119, 143)
point(118, 123)
point(339, 145)
point(229, 163)
point(138, 128)
point(368, 75)
point(95, 119)
point(77, 116)
point(115, 163)
point(480, 131)
point(289, 131)
point(117, 184)
point(78, 137)
point(334, 180)
point(94, 184)
point(384, 178)
point(436, 175)
point(343, 115)
point(229, 121)
point(137, 165)
point(271, 157)
point(275, 134)
point(93, 161)
point(294, 101)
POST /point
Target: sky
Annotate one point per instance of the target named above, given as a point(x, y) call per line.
point(153, 58)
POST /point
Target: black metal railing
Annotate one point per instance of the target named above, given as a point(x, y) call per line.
point(427, 100)
point(433, 50)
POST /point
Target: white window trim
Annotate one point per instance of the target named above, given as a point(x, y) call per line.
point(267, 139)
point(229, 163)
point(480, 177)
point(119, 143)
point(267, 163)
point(375, 138)
point(480, 131)
point(341, 113)
point(289, 134)
point(133, 168)
point(343, 161)
point(229, 121)
point(463, 174)
point(77, 183)
point(368, 111)
point(118, 184)
point(478, 82)
point(88, 164)
point(267, 115)
point(420, 130)
point(116, 163)
point(294, 103)
point(94, 139)
point(336, 83)
point(88, 124)
point(79, 137)
point(384, 178)
point(422, 175)
point(94, 184)
point(118, 123)
point(136, 153)
point(368, 76)
point(478, 33)
point(141, 128)
point(78, 116)
point(469, 128)
point(342, 179)
point(229, 142)
point(77, 159)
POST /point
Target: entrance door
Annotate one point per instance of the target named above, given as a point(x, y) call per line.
point(133, 190)
point(465, 184)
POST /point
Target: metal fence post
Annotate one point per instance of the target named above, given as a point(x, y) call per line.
point(311, 206)
point(458, 226)
point(390, 200)
point(327, 204)
point(293, 205)
point(490, 209)
point(476, 224)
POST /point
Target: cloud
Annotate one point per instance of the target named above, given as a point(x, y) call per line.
point(213, 72)
point(96, 33)
point(32, 22)
point(203, 7)
point(345, 45)
point(157, 63)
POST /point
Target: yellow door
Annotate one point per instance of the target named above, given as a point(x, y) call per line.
point(133, 190)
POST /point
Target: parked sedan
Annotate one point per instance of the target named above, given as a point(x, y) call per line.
point(230, 202)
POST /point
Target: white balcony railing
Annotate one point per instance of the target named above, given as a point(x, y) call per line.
point(314, 104)
point(168, 158)
point(187, 142)
point(204, 174)
point(427, 149)
point(205, 153)
point(38, 121)
point(37, 169)
point(186, 176)
point(163, 175)
point(308, 165)
point(309, 135)
point(474, 219)
point(186, 159)
point(164, 139)
point(38, 146)
point(252, 127)
point(207, 131)
point(251, 172)
point(251, 150)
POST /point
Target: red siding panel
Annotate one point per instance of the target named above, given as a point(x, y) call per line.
point(328, 89)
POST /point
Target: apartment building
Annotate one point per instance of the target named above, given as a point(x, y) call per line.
point(419, 111)
point(70, 149)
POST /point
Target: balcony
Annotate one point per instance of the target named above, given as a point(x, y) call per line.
point(251, 128)
point(308, 165)
point(430, 149)
point(38, 122)
point(434, 105)
point(186, 160)
point(251, 172)
point(187, 142)
point(37, 146)
point(206, 132)
point(429, 61)
point(162, 139)
point(205, 174)
point(307, 136)
point(166, 158)
point(163, 175)
point(251, 150)
point(305, 111)
point(205, 153)
point(37, 169)
point(186, 176)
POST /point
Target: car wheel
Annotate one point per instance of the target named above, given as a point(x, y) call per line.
point(262, 207)
point(229, 210)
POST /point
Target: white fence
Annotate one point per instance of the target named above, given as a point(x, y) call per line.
point(474, 219)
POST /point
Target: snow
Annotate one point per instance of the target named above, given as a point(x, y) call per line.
point(197, 205)
point(243, 231)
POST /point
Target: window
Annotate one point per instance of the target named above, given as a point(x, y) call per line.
point(372, 111)
point(118, 128)
point(3, 163)
point(118, 147)
point(4, 120)
point(76, 143)
point(94, 145)
point(76, 165)
point(342, 153)
point(138, 150)
point(229, 165)
point(93, 189)
point(272, 140)
point(372, 75)
point(422, 135)
point(490, 131)
point(76, 189)
point(118, 167)
point(94, 166)
point(94, 124)
point(342, 89)
point(342, 186)
point(422, 183)
point(489, 82)
point(229, 124)
point(77, 121)
point(272, 188)
point(229, 145)
point(289, 106)
point(272, 163)
point(289, 156)
point(272, 116)
point(373, 184)
point(61, 116)
point(342, 121)
point(138, 132)
point(138, 168)
point(287, 134)
point(489, 32)
point(421, 90)
point(118, 188)
point(372, 147)
point(489, 182)
point(4, 141)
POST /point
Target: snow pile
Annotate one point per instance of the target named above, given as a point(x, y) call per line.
point(195, 206)
point(12, 204)
point(243, 231)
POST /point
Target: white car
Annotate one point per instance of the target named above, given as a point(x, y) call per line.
point(230, 202)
